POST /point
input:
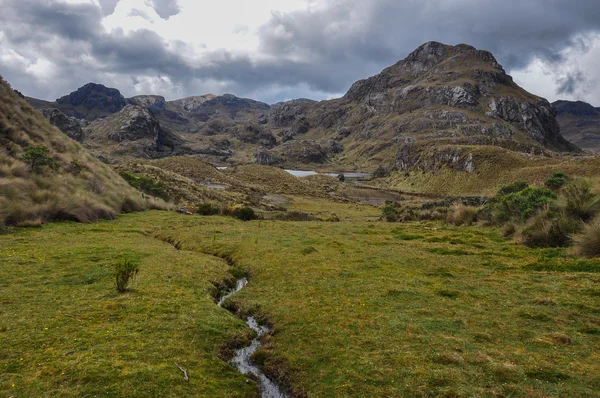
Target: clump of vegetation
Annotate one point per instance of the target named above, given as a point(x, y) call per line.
point(460, 214)
point(389, 213)
point(517, 202)
point(37, 157)
point(208, 209)
point(244, 213)
point(145, 184)
point(550, 229)
point(557, 180)
point(588, 242)
point(125, 271)
point(579, 201)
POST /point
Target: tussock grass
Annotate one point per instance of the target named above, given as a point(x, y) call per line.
point(460, 214)
point(588, 242)
point(37, 192)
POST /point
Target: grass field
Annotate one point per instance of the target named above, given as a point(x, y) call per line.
point(358, 308)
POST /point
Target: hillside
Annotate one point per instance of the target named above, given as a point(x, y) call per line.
point(44, 175)
point(579, 123)
point(422, 113)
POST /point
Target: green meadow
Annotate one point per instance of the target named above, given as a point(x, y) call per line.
point(358, 308)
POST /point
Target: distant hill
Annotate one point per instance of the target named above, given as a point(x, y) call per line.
point(430, 110)
point(579, 123)
point(45, 175)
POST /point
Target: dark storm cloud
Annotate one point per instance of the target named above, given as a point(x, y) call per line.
point(324, 50)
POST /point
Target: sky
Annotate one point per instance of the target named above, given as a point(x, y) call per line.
point(275, 50)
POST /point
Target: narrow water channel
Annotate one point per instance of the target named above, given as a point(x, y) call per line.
point(242, 361)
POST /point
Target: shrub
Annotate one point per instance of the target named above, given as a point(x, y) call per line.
point(390, 213)
point(519, 205)
point(240, 212)
point(37, 157)
point(557, 180)
point(579, 201)
point(460, 214)
point(588, 242)
point(145, 184)
point(125, 271)
point(208, 209)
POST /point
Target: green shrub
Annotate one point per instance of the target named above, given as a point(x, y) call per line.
point(37, 157)
point(294, 216)
point(557, 180)
point(208, 209)
point(588, 242)
point(145, 184)
point(240, 212)
point(579, 201)
point(517, 205)
point(389, 213)
point(125, 271)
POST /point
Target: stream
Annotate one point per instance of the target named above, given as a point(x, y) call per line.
point(242, 361)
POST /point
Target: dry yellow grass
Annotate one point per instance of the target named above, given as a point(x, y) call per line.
point(79, 187)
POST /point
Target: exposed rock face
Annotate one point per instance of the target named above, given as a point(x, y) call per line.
point(68, 125)
point(135, 124)
point(90, 97)
point(263, 157)
point(579, 123)
point(410, 157)
point(254, 134)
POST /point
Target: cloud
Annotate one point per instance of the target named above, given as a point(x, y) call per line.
point(317, 47)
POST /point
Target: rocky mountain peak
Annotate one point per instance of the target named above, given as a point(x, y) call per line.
point(95, 96)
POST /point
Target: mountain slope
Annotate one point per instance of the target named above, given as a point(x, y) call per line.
point(44, 175)
point(579, 123)
point(419, 112)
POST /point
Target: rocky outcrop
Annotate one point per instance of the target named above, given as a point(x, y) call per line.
point(254, 134)
point(92, 100)
point(68, 125)
point(135, 123)
point(411, 156)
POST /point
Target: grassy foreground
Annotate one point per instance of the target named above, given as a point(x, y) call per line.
point(359, 308)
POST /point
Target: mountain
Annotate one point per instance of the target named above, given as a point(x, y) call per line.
point(435, 108)
point(45, 175)
point(579, 123)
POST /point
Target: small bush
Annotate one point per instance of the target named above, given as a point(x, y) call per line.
point(389, 213)
point(557, 180)
point(460, 214)
point(37, 157)
point(240, 212)
point(145, 184)
point(579, 201)
point(513, 188)
point(125, 271)
point(518, 206)
point(588, 242)
point(208, 209)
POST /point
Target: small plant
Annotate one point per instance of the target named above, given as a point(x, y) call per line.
point(557, 180)
point(588, 242)
point(390, 213)
point(510, 204)
point(208, 209)
point(125, 271)
point(37, 157)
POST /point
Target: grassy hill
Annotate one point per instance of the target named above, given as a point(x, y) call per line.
point(44, 175)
